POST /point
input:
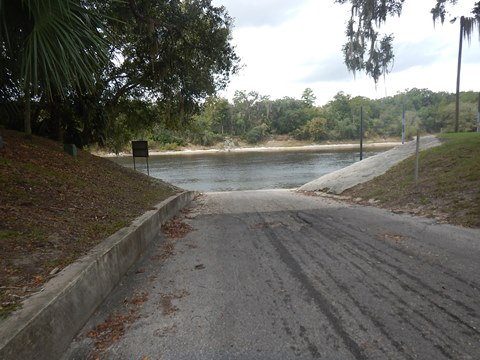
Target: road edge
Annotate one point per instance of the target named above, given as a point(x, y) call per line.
point(50, 319)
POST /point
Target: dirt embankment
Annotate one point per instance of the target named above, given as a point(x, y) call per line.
point(54, 208)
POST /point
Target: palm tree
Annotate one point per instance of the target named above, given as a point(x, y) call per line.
point(48, 47)
point(467, 27)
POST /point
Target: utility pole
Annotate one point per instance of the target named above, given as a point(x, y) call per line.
point(459, 66)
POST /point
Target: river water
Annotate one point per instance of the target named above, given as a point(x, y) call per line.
point(228, 171)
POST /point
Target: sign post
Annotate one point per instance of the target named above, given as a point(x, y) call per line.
point(140, 149)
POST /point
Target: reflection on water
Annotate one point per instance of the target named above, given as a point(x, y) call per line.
point(243, 171)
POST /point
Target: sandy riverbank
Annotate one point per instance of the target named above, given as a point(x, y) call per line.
point(314, 147)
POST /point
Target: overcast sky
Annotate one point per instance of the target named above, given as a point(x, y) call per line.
point(287, 46)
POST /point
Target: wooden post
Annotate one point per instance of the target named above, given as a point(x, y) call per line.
point(403, 125)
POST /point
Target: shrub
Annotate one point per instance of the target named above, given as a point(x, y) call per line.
point(166, 137)
point(170, 147)
point(256, 134)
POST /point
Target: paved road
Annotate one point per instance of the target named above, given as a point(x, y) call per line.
point(281, 275)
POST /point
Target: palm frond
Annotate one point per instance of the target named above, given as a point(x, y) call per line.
point(57, 43)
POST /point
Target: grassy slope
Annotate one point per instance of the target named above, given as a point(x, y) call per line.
point(54, 208)
point(449, 183)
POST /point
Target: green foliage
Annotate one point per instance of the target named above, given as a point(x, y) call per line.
point(289, 114)
point(119, 134)
point(249, 110)
point(256, 134)
point(204, 137)
point(252, 116)
point(167, 137)
point(309, 97)
point(89, 62)
point(314, 129)
point(50, 46)
point(343, 118)
point(170, 147)
point(177, 52)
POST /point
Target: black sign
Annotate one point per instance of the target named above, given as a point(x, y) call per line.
point(140, 148)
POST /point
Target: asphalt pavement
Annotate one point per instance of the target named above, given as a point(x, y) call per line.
point(281, 275)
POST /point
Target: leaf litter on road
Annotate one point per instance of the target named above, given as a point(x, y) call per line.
point(166, 301)
point(176, 228)
point(113, 328)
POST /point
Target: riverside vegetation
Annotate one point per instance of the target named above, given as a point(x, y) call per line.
point(54, 208)
point(253, 118)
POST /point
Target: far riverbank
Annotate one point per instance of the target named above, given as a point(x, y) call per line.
point(268, 148)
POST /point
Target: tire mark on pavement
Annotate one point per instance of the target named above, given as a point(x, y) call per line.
point(379, 295)
point(325, 306)
point(300, 242)
point(435, 339)
point(447, 271)
point(340, 234)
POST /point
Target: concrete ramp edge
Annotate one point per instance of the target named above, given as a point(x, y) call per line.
point(50, 319)
point(362, 171)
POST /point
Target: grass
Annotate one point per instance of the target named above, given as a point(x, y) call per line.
point(449, 182)
point(54, 208)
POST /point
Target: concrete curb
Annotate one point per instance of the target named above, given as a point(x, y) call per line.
point(49, 320)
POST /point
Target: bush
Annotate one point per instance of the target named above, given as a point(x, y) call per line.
point(170, 147)
point(166, 137)
point(313, 130)
point(256, 134)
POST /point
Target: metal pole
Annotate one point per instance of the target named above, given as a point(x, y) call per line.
point(361, 133)
point(403, 125)
point(148, 169)
point(478, 114)
point(459, 66)
point(417, 152)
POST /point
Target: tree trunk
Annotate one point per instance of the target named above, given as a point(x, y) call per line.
point(27, 112)
point(459, 65)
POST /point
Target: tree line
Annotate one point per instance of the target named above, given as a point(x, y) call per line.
point(253, 118)
point(109, 71)
point(85, 71)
